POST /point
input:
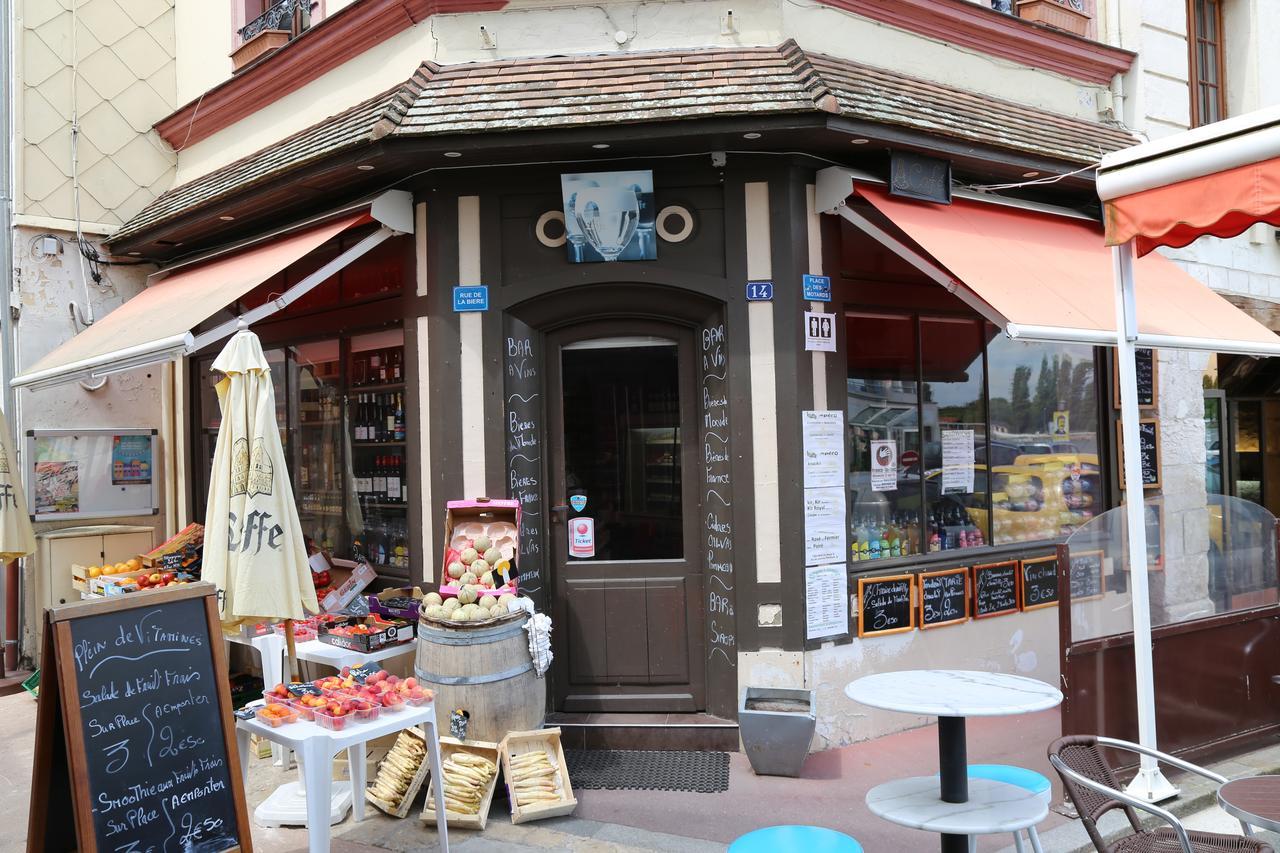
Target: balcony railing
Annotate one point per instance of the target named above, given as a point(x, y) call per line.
point(291, 15)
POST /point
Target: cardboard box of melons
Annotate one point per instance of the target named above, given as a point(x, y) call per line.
point(482, 544)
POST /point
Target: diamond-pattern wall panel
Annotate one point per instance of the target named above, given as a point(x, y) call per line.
point(123, 74)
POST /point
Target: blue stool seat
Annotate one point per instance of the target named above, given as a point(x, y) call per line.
point(1028, 780)
point(795, 839)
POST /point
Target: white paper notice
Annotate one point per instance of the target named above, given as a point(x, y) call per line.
point(823, 436)
point(884, 466)
point(827, 601)
point(957, 461)
point(824, 527)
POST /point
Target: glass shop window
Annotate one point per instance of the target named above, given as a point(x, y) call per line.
point(961, 438)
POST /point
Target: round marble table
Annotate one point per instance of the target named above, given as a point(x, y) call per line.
point(992, 806)
point(1254, 800)
point(952, 695)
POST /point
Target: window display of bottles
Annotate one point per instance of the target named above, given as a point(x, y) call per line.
point(950, 528)
point(874, 539)
point(378, 417)
point(380, 366)
point(381, 480)
point(385, 543)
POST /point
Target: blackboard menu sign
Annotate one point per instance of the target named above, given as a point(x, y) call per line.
point(1039, 583)
point(1147, 367)
point(995, 589)
point(134, 731)
point(885, 605)
point(1086, 576)
point(944, 597)
point(1149, 443)
point(522, 432)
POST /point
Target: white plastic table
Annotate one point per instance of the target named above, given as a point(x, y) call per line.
point(271, 650)
point(316, 747)
point(951, 696)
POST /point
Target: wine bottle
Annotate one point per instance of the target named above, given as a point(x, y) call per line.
point(393, 480)
point(379, 480)
point(399, 421)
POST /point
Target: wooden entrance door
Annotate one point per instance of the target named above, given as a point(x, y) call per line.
point(627, 573)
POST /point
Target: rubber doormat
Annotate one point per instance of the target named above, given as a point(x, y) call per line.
point(648, 770)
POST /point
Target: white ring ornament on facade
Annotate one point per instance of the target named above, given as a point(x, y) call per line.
point(674, 236)
point(540, 229)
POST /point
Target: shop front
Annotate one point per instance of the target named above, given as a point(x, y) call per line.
point(768, 422)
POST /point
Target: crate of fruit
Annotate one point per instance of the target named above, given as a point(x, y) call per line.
point(401, 603)
point(470, 772)
point(482, 544)
point(366, 633)
point(537, 775)
point(401, 774)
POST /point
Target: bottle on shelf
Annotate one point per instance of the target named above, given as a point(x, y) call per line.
point(393, 480)
point(379, 479)
point(399, 418)
point(388, 417)
point(375, 366)
point(397, 355)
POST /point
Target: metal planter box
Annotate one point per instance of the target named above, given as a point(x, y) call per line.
point(777, 739)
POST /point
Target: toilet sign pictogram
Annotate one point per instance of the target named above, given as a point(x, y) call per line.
point(819, 332)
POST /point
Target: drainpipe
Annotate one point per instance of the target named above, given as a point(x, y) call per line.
point(8, 583)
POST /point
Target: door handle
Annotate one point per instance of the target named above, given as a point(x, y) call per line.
point(560, 512)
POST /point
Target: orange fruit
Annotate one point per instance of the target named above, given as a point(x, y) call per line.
point(133, 564)
point(94, 571)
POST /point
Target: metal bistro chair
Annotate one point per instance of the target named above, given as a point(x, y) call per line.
point(1094, 790)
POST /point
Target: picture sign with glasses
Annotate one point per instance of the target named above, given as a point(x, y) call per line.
point(609, 216)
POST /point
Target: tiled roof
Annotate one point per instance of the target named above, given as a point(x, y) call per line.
point(595, 90)
point(886, 97)
point(579, 91)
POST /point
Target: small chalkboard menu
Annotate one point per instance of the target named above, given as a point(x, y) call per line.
point(1086, 576)
point(1146, 366)
point(135, 744)
point(1149, 444)
point(995, 589)
point(1039, 582)
point(944, 597)
point(885, 605)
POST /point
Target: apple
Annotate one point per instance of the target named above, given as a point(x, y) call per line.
point(166, 577)
point(154, 577)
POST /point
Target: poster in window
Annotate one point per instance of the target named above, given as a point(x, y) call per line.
point(1061, 426)
point(131, 460)
point(609, 216)
point(884, 465)
point(957, 461)
point(57, 487)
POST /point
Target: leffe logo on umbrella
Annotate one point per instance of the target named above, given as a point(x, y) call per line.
point(251, 475)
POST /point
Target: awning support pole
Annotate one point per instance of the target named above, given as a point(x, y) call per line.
point(1150, 783)
point(293, 294)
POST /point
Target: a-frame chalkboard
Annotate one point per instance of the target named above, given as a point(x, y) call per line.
point(135, 741)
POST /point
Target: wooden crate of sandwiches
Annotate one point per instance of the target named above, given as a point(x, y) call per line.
point(536, 775)
point(470, 773)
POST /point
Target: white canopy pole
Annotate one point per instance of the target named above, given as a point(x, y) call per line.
point(1149, 784)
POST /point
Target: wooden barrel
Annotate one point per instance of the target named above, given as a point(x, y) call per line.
point(485, 670)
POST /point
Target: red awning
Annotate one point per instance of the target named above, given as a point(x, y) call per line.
point(1042, 276)
point(1222, 204)
point(1217, 180)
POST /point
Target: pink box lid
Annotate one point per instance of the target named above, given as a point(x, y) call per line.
point(479, 502)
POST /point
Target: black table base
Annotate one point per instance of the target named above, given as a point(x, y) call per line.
point(953, 767)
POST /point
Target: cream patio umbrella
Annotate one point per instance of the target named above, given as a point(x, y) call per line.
point(16, 537)
point(254, 550)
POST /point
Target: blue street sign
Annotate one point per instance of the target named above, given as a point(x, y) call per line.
point(817, 288)
point(759, 291)
point(471, 298)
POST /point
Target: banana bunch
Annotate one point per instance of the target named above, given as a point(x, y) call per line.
point(466, 779)
point(534, 779)
point(398, 769)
